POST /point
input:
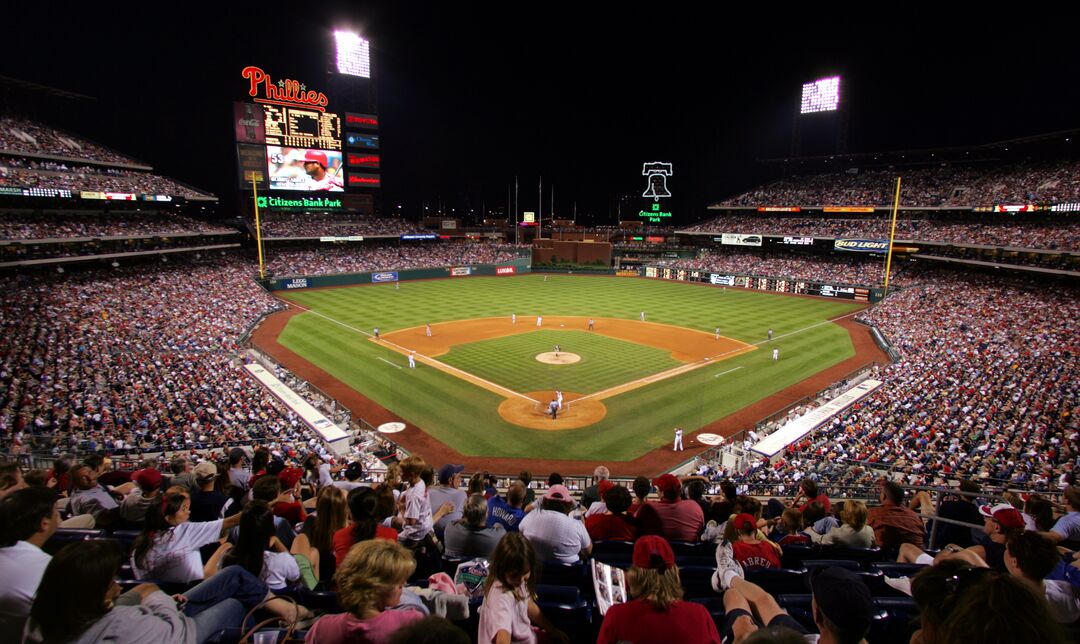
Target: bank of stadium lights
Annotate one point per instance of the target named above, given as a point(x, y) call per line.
point(353, 54)
point(822, 95)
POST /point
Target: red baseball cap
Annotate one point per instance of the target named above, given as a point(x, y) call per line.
point(745, 521)
point(147, 479)
point(289, 477)
point(653, 552)
point(604, 486)
point(314, 156)
point(667, 482)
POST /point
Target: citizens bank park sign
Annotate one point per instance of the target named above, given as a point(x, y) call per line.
point(285, 91)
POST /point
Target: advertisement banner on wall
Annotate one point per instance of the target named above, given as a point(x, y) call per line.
point(862, 245)
point(505, 270)
point(735, 239)
point(389, 276)
point(297, 282)
point(460, 271)
point(722, 280)
point(626, 273)
point(650, 271)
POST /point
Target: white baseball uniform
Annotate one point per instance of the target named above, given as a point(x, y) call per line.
point(539, 320)
point(775, 354)
point(717, 333)
point(558, 398)
point(427, 330)
point(643, 316)
point(678, 440)
point(412, 361)
point(513, 318)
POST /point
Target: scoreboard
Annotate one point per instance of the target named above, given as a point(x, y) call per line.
point(296, 127)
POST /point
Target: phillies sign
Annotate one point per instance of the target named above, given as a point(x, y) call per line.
point(284, 92)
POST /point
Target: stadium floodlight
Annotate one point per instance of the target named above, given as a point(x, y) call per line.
point(353, 54)
point(822, 95)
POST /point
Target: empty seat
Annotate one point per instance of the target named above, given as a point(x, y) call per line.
point(613, 552)
point(848, 564)
point(777, 581)
point(697, 581)
point(64, 536)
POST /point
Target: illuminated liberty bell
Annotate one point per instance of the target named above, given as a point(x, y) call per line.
point(656, 173)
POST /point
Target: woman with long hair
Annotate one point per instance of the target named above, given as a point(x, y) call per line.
point(509, 609)
point(314, 546)
point(168, 547)
point(657, 613)
point(260, 552)
point(364, 523)
point(79, 600)
point(853, 532)
point(369, 582)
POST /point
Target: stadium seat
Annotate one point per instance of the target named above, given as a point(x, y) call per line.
point(794, 555)
point(902, 620)
point(864, 556)
point(566, 575)
point(615, 553)
point(778, 581)
point(895, 569)
point(697, 581)
point(847, 564)
point(800, 607)
point(64, 536)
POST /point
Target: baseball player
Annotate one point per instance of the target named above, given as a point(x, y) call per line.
point(678, 440)
point(775, 354)
point(376, 333)
point(717, 333)
point(592, 324)
point(412, 360)
point(559, 398)
point(643, 316)
point(553, 409)
point(315, 165)
point(557, 349)
point(770, 334)
point(427, 329)
point(539, 320)
point(513, 318)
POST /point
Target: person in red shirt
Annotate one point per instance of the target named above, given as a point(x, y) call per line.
point(363, 509)
point(750, 551)
point(614, 524)
point(293, 511)
point(657, 613)
point(808, 490)
point(673, 518)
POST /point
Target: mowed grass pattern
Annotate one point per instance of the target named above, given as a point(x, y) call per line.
point(605, 362)
point(466, 417)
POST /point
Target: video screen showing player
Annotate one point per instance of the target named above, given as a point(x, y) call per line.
point(303, 169)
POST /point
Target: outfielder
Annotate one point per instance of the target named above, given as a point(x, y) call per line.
point(770, 333)
point(678, 440)
point(412, 361)
point(775, 354)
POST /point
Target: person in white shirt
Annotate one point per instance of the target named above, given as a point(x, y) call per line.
point(168, 547)
point(417, 513)
point(557, 537)
point(28, 517)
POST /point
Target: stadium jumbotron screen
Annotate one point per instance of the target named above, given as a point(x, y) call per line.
point(297, 127)
point(822, 95)
point(304, 169)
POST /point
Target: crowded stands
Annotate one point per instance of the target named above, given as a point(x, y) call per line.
point(39, 225)
point(328, 224)
point(831, 269)
point(399, 256)
point(26, 173)
point(19, 134)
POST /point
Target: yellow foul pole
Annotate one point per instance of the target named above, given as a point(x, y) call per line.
point(892, 235)
point(258, 228)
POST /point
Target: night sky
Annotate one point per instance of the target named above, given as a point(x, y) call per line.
point(470, 97)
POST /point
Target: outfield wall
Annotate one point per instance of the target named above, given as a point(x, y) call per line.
point(765, 283)
point(512, 267)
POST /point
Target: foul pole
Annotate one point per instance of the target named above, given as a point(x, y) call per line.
point(892, 235)
point(258, 228)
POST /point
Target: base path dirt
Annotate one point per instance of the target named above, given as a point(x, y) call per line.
point(652, 463)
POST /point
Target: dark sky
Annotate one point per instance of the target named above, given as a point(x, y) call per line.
point(469, 97)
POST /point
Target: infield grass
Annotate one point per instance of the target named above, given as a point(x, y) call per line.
point(466, 417)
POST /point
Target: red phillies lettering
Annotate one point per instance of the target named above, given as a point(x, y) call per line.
point(285, 91)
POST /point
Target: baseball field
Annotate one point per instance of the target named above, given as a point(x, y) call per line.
point(483, 384)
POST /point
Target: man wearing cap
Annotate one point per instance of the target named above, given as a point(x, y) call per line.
point(448, 491)
point(556, 537)
point(841, 604)
point(1000, 521)
point(133, 507)
point(592, 493)
point(893, 523)
point(657, 612)
point(673, 518)
point(315, 165)
point(207, 503)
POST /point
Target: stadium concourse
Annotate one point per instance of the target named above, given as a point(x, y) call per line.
point(125, 401)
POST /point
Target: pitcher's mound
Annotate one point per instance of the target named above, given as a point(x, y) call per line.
point(575, 413)
point(561, 357)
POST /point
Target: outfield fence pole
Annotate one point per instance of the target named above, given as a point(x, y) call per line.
point(892, 235)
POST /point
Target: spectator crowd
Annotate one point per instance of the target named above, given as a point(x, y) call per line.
point(27, 173)
point(388, 256)
point(19, 134)
point(40, 225)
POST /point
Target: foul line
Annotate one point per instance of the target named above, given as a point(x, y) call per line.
point(727, 372)
point(389, 363)
point(465, 375)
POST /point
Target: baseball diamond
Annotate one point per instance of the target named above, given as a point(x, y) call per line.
point(634, 382)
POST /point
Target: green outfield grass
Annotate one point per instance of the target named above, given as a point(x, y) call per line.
point(605, 362)
point(466, 417)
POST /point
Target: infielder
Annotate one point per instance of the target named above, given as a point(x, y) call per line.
point(558, 398)
point(643, 316)
point(775, 354)
point(592, 324)
point(717, 333)
point(539, 320)
point(770, 333)
point(513, 318)
point(376, 333)
point(427, 329)
point(412, 361)
point(678, 440)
